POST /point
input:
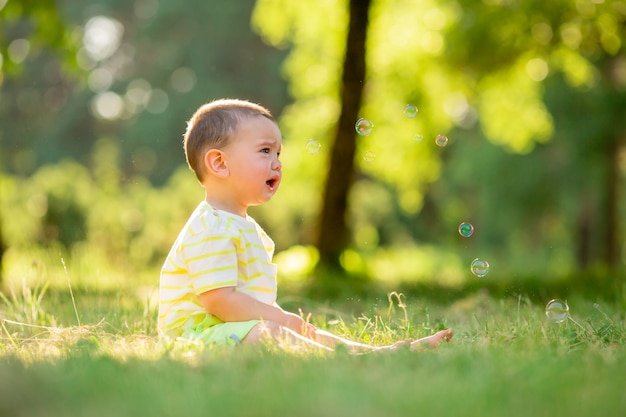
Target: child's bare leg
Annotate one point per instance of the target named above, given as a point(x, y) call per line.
point(286, 338)
point(331, 340)
point(434, 340)
point(324, 340)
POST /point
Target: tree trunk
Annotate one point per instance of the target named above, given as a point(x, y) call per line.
point(333, 232)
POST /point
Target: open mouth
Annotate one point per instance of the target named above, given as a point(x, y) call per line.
point(271, 183)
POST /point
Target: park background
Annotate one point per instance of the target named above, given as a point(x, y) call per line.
point(531, 96)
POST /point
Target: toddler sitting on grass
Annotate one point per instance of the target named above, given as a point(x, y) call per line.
point(218, 283)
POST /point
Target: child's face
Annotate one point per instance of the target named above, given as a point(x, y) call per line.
point(251, 156)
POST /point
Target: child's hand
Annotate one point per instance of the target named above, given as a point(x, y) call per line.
point(299, 325)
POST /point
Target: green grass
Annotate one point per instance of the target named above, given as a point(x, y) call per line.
point(506, 359)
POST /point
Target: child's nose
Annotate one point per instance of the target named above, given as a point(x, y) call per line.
point(277, 166)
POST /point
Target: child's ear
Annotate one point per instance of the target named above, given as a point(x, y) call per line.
point(215, 163)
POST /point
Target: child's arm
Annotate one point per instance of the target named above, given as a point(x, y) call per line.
point(229, 305)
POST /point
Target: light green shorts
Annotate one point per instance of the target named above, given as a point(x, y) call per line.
point(221, 334)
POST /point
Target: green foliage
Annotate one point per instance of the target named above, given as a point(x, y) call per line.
point(103, 225)
point(482, 73)
point(134, 85)
point(28, 27)
point(530, 94)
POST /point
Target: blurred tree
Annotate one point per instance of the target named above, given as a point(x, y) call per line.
point(476, 70)
point(144, 67)
point(572, 50)
point(26, 28)
point(148, 65)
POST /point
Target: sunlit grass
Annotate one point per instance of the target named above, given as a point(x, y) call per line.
point(96, 352)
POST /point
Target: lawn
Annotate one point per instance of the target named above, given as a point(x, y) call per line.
point(96, 354)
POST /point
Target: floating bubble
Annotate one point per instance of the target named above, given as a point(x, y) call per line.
point(369, 156)
point(410, 111)
point(466, 229)
point(418, 137)
point(441, 140)
point(364, 127)
point(557, 310)
point(479, 267)
point(312, 146)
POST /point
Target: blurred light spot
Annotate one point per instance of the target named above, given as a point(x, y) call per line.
point(578, 71)
point(297, 261)
point(37, 205)
point(366, 237)
point(611, 43)
point(139, 91)
point(570, 33)
point(400, 35)
point(542, 32)
point(18, 50)
point(100, 80)
point(432, 42)
point(3, 3)
point(455, 105)
point(434, 19)
point(469, 118)
point(158, 101)
point(351, 260)
point(137, 95)
point(108, 106)
point(537, 69)
point(146, 9)
point(585, 8)
point(183, 79)
point(102, 37)
point(1, 61)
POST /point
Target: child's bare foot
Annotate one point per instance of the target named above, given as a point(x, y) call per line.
point(434, 340)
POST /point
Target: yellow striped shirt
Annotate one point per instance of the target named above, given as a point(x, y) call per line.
point(215, 249)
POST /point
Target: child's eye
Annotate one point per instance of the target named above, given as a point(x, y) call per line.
point(265, 150)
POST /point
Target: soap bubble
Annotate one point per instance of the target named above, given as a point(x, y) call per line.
point(364, 127)
point(441, 140)
point(369, 156)
point(557, 310)
point(410, 111)
point(479, 267)
point(466, 229)
point(418, 137)
point(312, 146)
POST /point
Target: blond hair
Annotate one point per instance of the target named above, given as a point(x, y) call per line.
point(213, 125)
